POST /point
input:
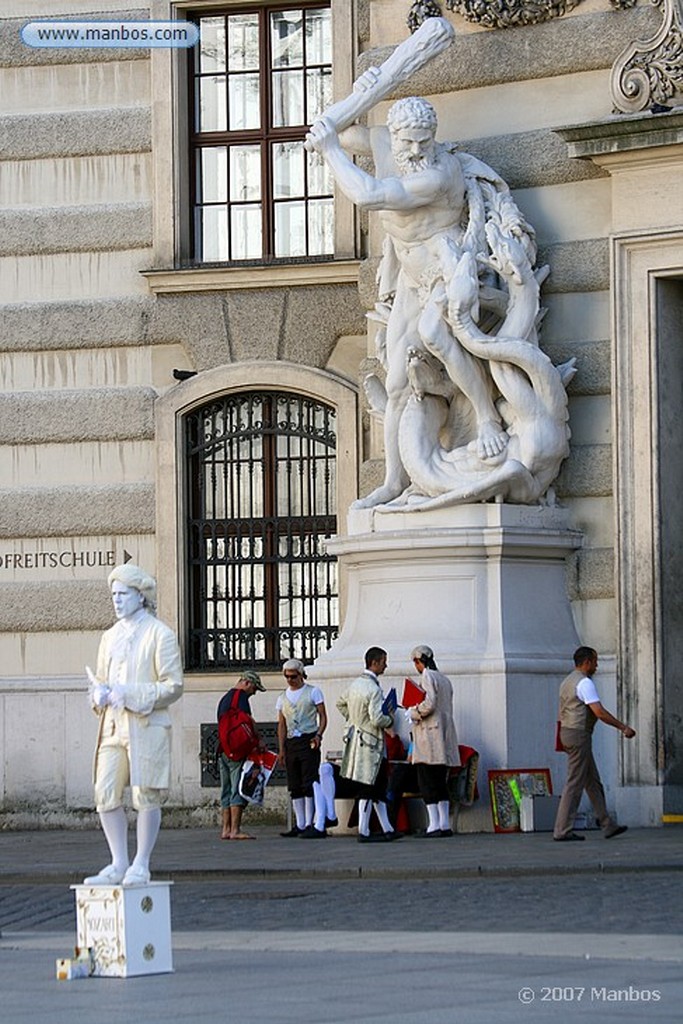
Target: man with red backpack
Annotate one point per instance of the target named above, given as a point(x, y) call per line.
point(237, 739)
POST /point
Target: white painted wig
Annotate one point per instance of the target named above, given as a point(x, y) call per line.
point(136, 578)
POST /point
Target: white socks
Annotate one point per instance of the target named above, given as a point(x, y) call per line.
point(149, 822)
point(299, 806)
point(364, 812)
point(381, 812)
point(444, 815)
point(323, 796)
point(328, 788)
point(433, 812)
point(115, 828)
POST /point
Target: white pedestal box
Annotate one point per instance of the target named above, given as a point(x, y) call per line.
point(128, 930)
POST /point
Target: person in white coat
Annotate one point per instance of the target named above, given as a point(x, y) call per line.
point(138, 676)
point(435, 742)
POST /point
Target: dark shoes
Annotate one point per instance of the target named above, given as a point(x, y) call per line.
point(331, 822)
point(380, 837)
point(310, 832)
point(293, 833)
point(435, 834)
point(571, 837)
point(616, 830)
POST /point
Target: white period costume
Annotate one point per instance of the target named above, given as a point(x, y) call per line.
point(434, 737)
point(361, 706)
point(141, 654)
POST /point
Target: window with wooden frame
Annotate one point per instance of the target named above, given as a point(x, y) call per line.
point(261, 499)
point(258, 78)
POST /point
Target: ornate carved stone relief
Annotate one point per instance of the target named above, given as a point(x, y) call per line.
point(649, 72)
point(500, 13)
point(506, 13)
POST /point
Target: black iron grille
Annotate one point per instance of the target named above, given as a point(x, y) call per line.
point(261, 499)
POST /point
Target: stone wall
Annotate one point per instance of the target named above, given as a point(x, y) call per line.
point(89, 342)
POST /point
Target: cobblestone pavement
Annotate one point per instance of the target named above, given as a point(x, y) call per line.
point(628, 902)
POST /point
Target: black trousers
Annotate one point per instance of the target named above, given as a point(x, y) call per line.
point(432, 780)
point(302, 764)
point(378, 790)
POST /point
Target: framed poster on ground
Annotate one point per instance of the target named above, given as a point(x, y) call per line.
point(507, 786)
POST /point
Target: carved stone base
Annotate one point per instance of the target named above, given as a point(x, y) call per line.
point(483, 585)
point(128, 930)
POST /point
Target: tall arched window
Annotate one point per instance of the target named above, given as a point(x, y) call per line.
point(261, 498)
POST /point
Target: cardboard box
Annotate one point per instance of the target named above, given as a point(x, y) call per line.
point(537, 813)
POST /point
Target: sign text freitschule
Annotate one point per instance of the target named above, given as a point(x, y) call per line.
point(57, 559)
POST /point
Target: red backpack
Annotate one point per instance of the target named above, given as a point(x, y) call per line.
point(237, 735)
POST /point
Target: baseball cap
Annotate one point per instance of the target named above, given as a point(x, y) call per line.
point(254, 678)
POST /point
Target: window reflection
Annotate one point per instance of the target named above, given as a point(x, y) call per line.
point(214, 224)
point(212, 45)
point(243, 42)
point(318, 36)
point(318, 92)
point(245, 232)
point(214, 174)
point(286, 38)
point(212, 114)
point(321, 226)
point(245, 173)
point(288, 170)
point(290, 229)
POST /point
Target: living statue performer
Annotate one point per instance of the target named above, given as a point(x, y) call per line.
point(458, 305)
point(138, 676)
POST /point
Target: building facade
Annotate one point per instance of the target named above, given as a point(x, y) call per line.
point(183, 335)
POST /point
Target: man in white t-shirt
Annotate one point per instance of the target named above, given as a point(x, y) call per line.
point(301, 722)
point(580, 708)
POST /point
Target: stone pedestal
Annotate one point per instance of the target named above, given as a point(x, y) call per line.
point(128, 930)
point(484, 585)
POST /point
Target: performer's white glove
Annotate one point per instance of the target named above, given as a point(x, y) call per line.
point(97, 692)
point(117, 697)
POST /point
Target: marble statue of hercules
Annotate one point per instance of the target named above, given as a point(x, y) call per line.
point(419, 193)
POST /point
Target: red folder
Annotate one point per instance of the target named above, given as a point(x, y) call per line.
point(412, 694)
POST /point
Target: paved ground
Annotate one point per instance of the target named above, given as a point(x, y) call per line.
point(477, 929)
point(182, 854)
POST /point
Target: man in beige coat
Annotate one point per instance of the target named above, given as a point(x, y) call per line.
point(435, 742)
point(138, 676)
point(364, 760)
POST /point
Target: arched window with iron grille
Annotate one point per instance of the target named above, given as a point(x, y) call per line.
point(261, 480)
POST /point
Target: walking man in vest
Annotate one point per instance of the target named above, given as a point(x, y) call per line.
point(302, 720)
point(580, 708)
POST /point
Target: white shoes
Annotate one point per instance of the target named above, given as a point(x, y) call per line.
point(107, 876)
point(112, 876)
point(136, 876)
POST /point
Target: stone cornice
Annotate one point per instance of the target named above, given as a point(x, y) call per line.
point(205, 279)
point(624, 134)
